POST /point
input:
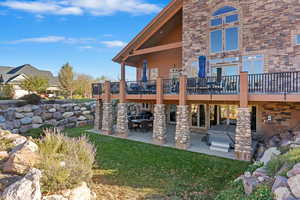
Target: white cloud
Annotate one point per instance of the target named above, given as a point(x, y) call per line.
point(114, 43)
point(79, 7)
point(86, 47)
point(53, 39)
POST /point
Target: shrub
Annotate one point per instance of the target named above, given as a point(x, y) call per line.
point(37, 133)
point(6, 144)
point(65, 161)
point(236, 192)
point(33, 99)
point(6, 92)
point(288, 159)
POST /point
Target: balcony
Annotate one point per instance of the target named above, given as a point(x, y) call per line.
point(281, 86)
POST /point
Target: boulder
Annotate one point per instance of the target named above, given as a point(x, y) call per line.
point(16, 139)
point(87, 112)
point(260, 172)
point(280, 181)
point(36, 125)
point(34, 107)
point(30, 114)
point(274, 141)
point(37, 120)
point(83, 109)
point(2, 119)
point(250, 184)
point(28, 188)
point(25, 128)
point(282, 193)
point(57, 115)
point(19, 115)
point(269, 154)
point(76, 108)
point(27, 108)
point(82, 118)
point(10, 114)
point(26, 120)
point(68, 114)
point(6, 180)
point(52, 110)
point(47, 115)
point(17, 123)
point(295, 171)
point(294, 183)
point(82, 192)
point(22, 158)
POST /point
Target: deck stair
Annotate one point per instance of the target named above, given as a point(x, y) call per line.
point(220, 140)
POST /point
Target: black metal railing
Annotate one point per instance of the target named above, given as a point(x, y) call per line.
point(214, 85)
point(139, 87)
point(115, 87)
point(97, 89)
point(170, 86)
point(274, 83)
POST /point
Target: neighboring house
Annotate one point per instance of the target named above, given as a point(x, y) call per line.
point(15, 75)
point(228, 65)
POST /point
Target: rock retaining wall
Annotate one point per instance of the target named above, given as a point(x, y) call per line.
point(22, 119)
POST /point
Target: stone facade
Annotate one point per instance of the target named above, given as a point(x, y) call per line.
point(160, 124)
point(107, 122)
point(266, 27)
point(122, 120)
point(278, 118)
point(182, 135)
point(98, 115)
point(22, 119)
point(243, 138)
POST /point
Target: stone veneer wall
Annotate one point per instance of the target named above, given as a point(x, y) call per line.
point(267, 27)
point(243, 138)
point(284, 117)
point(182, 135)
point(98, 115)
point(160, 124)
point(107, 124)
point(22, 119)
point(122, 120)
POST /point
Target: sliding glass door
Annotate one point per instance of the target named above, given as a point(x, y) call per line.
point(198, 115)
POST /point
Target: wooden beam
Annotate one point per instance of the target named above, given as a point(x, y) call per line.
point(165, 47)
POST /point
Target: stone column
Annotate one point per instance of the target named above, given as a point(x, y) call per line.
point(182, 136)
point(107, 122)
point(98, 115)
point(122, 120)
point(243, 139)
point(160, 124)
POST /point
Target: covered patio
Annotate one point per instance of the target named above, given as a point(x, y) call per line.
point(197, 145)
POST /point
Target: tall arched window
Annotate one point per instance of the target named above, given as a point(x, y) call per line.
point(224, 25)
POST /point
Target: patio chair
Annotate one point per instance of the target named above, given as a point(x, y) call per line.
point(146, 126)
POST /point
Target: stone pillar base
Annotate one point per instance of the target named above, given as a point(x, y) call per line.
point(160, 124)
point(182, 136)
point(98, 115)
point(122, 121)
point(107, 122)
point(243, 138)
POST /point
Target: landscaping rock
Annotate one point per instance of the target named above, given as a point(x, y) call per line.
point(19, 115)
point(282, 193)
point(22, 158)
point(46, 116)
point(250, 184)
point(36, 125)
point(82, 192)
point(57, 115)
point(16, 139)
point(294, 183)
point(26, 120)
point(6, 180)
point(295, 171)
point(10, 114)
point(82, 118)
point(27, 109)
point(52, 110)
point(280, 181)
point(83, 109)
point(269, 154)
point(30, 114)
point(17, 123)
point(37, 120)
point(2, 119)
point(76, 108)
point(25, 128)
point(68, 114)
point(28, 188)
point(87, 112)
point(35, 107)
point(3, 155)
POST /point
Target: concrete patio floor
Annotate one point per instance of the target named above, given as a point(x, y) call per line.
point(197, 145)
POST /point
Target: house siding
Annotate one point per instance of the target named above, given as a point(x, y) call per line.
point(267, 27)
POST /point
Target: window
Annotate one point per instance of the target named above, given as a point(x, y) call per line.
point(226, 70)
point(298, 39)
point(226, 38)
point(253, 64)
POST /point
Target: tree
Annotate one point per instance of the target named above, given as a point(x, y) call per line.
point(35, 84)
point(83, 84)
point(66, 78)
point(101, 79)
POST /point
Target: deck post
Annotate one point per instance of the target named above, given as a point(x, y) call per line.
point(160, 122)
point(243, 145)
point(182, 136)
point(122, 120)
point(107, 121)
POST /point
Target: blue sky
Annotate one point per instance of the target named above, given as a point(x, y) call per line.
point(85, 33)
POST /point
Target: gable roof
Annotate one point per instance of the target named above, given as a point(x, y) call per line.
point(169, 11)
point(10, 73)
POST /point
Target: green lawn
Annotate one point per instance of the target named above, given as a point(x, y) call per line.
point(133, 170)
